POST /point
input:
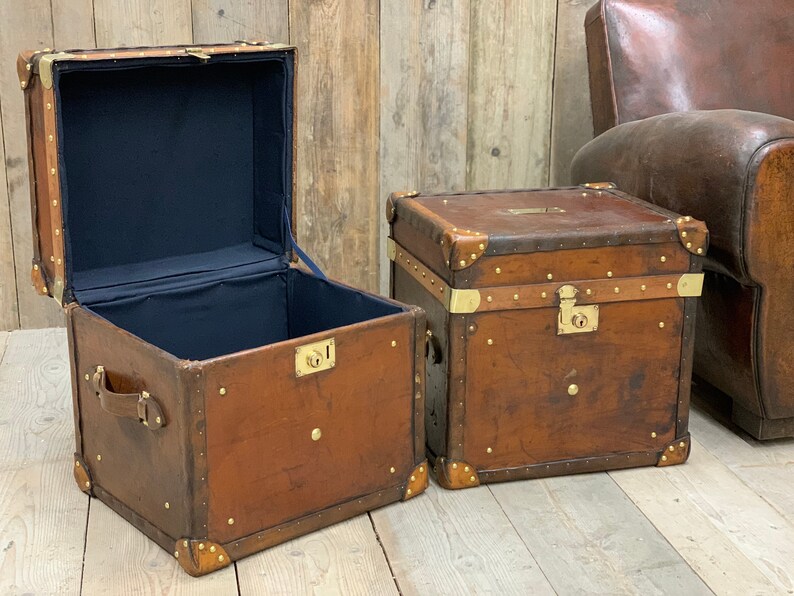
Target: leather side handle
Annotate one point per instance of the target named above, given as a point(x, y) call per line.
point(138, 406)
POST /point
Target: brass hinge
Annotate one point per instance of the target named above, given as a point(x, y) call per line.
point(198, 53)
point(45, 66)
point(572, 318)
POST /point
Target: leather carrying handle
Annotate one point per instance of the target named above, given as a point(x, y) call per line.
point(138, 406)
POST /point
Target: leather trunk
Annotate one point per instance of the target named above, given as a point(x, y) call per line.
point(225, 399)
point(560, 327)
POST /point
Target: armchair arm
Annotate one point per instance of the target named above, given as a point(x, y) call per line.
point(733, 169)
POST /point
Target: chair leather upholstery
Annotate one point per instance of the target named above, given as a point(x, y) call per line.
point(697, 101)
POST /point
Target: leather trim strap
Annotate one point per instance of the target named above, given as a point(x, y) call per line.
point(138, 406)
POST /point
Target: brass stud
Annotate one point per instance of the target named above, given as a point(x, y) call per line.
point(52, 259)
point(220, 558)
point(669, 286)
point(489, 299)
point(392, 470)
point(617, 290)
point(679, 220)
point(462, 263)
point(54, 203)
point(86, 377)
point(158, 420)
point(609, 274)
point(44, 289)
point(549, 276)
point(77, 464)
point(35, 267)
point(482, 246)
point(87, 484)
point(57, 232)
point(424, 274)
point(23, 84)
point(643, 287)
point(489, 450)
point(418, 395)
point(472, 478)
point(661, 324)
point(222, 391)
point(663, 259)
point(213, 549)
point(432, 282)
point(543, 294)
point(316, 434)
point(201, 546)
point(50, 138)
point(421, 469)
point(454, 466)
point(409, 491)
point(473, 256)
point(466, 469)
point(417, 378)
point(700, 251)
point(49, 106)
point(682, 444)
point(27, 66)
point(490, 342)
point(653, 435)
point(176, 554)
point(687, 218)
point(588, 291)
point(413, 478)
point(230, 521)
point(416, 267)
point(683, 234)
point(498, 270)
point(184, 543)
point(573, 389)
point(471, 328)
point(671, 448)
point(99, 458)
point(52, 171)
point(515, 296)
point(664, 458)
point(167, 505)
point(393, 344)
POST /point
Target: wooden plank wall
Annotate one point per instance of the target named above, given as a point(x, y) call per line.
point(393, 95)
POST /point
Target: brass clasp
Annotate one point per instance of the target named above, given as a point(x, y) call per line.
point(312, 358)
point(573, 318)
point(198, 53)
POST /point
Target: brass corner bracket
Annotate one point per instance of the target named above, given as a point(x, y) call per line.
point(46, 66)
point(675, 453)
point(417, 481)
point(693, 234)
point(200, 557)
point(82, 475)
point(454, 474)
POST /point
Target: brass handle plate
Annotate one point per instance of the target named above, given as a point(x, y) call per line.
point(315, 357)
point(573, 318)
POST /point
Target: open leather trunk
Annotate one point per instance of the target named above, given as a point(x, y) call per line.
point(562, 328)
point(225, 400)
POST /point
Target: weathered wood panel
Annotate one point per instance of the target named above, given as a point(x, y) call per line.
point(25, 25)
point(142, 22)
point(9, 313)
point(342, 559)
point(42, 512)
point(572, 122)
point(73, 24)
point(424, 81)
point(216, 21)
point(512, 68)
point(337, 135)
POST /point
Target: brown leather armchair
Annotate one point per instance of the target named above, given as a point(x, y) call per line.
point(693, 101)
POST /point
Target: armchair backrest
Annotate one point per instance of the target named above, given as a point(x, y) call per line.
point(650, 57)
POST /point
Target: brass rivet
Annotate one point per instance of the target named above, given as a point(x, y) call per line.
point(664, 259)
point(671, 448)
point(687, 218)
point(588, 291)
point(176, 554)
point(661, 324)
point(392, 470)
point(472, 478)
point(664, 458)
point(57, 232)
point(515, 296)
point(184, 543)
point(498, 270)
point(573, 389)
point(424, 274)
point(220, 558)
point(44, 289)
point(689, 245)
point(418, 395)
point(86, 377)
point(432, 282)
point(158, 420)
point(617, 290)
point(58, 262)
point(462, 263)
point(393, 344)
point(489, 299)
point(682, 444)
point(98, 457)
point(230, 521)
point(549, 276)
point(52, 259)
point(642, 287)
point(609, 274)
point(50, 138)
point(23, 84)
point(87, 484)
point(490, 342)
point(482, 247)
point(454, 466)
point(27, 66)
point(35, 267)
point(316, 434)
point(167, 505)
point(421, 469)
point(140, 54)
point(222, 390)
point(653, 435)
point(49, 106)
point(471, 328)
point(77, 464)
point(543, 294)
point(669, 286)
point(54, 203)
point(52, 171)
point(416, 267)
point(413, 478)
point(473, 256)
point(213, 549)
point(489, 450)
point(700, 251)
point(201, 546)
point(417, 378)
point(408, 492)
point(466, 469)
point(679, 220)
point(683, 234)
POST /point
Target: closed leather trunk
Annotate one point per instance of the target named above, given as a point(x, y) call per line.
point(560, 328)
point(225, 399)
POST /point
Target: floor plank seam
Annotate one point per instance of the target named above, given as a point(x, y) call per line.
point(237, 578)
point(4, 345)
point(521, 538)
point(85, 544)
point(385, 554)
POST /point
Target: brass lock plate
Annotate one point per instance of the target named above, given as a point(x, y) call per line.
point(315, 357)
point(575, 318)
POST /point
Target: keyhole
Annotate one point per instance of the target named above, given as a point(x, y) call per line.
point(315, 359)
point(580, 321)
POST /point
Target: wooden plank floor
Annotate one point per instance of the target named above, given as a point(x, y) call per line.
point(723, 523)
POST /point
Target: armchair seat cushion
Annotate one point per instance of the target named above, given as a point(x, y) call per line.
point(708, 164)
